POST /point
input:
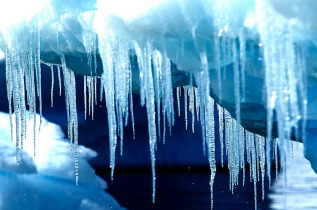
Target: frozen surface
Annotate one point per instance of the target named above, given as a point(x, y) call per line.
point(47, 180)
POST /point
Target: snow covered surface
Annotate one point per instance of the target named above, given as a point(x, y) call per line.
point(47, 179)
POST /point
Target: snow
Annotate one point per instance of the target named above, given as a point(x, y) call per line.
point(48, 177)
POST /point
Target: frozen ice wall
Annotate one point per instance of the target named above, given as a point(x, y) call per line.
point(252, 59)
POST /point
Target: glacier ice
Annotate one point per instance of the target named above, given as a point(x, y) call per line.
point(253, 59)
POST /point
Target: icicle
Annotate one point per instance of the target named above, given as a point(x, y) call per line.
point(22, 106)
point(301, 65)
point(202, 112)
point(276, 158)
point(220, 113)
point(197, 102)
point(254, 163)
point(178, 92)
point(283, 66)
point(242, 43)
point(89, 40)
point(150, 105)
point(96, 90)
point(92, 103)
point(85, 95)
point(12, 93)
point(89, 94)
point(71, 109)
point(92, 96)
point(168, 99)
point(208, 107)
point(185, 104)
point(211, 144)
point(9, 89)
point(52, 86)
point(236, 83)
point(262, 162)
point(228, 126)
point(268, 159)
point(243, 139)
point(37, 64)
point(131, 103)
point(59, 80)
point(217, 60)
point(192, 105)
point(108, 77)
point(157, 64)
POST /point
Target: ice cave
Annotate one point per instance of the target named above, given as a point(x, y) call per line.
point(158, 104)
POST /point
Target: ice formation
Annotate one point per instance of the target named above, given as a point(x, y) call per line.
point(48, 177)
point(251, 60)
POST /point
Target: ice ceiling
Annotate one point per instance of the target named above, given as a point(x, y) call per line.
point(250, 60)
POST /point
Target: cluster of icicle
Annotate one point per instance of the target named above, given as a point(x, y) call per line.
point(156, 92)
point(283, 64)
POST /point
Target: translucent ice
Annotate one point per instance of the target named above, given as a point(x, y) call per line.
point(254, 58)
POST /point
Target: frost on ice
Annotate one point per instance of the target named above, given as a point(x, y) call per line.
point(249, 60)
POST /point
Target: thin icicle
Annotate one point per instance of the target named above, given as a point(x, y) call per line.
point(254, 171)
point(157, 64)
point(262, 162)
point(185, 104)
point(167, 97)
point(131, 103)
point(150, 104)
point(59, 80)
point(197, 102)
point(37, 64)
point(52, 86)
point(242, 49)
point(220, 113)
point(276, 158)
point(85, 95)
point(178, 92)
point(192, 105)
point(236, 83)
point(207, 118)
